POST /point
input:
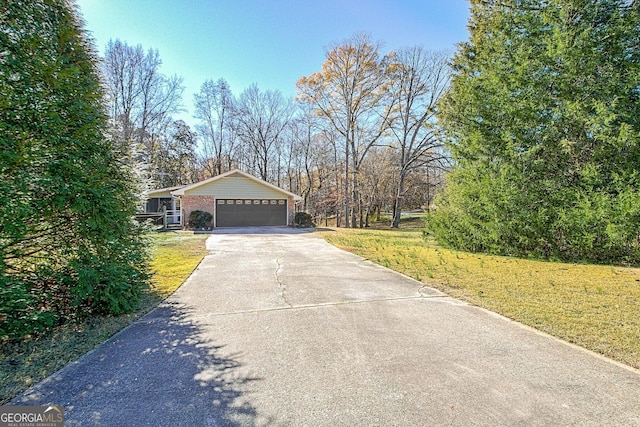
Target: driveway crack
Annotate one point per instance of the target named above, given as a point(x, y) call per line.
point(282, 286)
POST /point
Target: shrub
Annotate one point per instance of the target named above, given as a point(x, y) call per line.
point(304, 219)
point(199, 219)
point(17, 314)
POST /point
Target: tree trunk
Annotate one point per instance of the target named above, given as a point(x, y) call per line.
point(360, 211)
point(397, 207)
point(354, 204)
point(428, 194)
point(346, 185)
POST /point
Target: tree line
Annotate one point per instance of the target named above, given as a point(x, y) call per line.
point(360, 138)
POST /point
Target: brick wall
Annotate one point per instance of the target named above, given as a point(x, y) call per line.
point(292, 210)
point(197, 203)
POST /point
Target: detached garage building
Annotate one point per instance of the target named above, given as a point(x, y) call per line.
point(237, 199)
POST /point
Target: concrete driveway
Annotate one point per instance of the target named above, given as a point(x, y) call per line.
point(280, 328)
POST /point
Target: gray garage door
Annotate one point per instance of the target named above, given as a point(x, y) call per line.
point(247, 213)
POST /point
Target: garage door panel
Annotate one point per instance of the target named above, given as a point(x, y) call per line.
point(247, 213)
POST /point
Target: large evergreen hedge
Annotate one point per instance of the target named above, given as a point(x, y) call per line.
point(543, 117)
point(69, 246)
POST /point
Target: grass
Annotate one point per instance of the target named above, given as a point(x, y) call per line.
point(594, 306)
point(175, 256)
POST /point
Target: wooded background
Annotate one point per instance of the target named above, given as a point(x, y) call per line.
point(361, 137)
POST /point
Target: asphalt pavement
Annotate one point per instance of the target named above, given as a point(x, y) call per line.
point(277, 327)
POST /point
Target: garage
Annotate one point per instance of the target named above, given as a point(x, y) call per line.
point(250, 212)
point(238, 199)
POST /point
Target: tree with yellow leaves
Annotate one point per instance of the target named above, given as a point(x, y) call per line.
point(349, 93)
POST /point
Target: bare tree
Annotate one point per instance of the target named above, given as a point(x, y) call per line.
point(121, 67)
point(378, 180)
point(418, 79)
point(261, 118)
point(348, 93)
point(174, 158)
point(214, 106)
point(141, 99)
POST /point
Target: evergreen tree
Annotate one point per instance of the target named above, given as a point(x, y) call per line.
point(543, 119)
point(68, 243)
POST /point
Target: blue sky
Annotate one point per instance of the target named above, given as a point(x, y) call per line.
point(271, 42)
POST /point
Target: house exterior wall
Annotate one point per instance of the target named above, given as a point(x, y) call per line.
point(207, 204)
point(236, 187)
point(192, 203)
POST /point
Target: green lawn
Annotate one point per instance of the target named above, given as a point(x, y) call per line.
point(176, 255)
point(596, 307)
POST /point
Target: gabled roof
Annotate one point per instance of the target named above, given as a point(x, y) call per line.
point(235, 172)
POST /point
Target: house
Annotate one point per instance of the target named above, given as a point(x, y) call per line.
point(235, 199)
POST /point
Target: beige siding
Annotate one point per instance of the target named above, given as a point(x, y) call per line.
point(236, 188)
